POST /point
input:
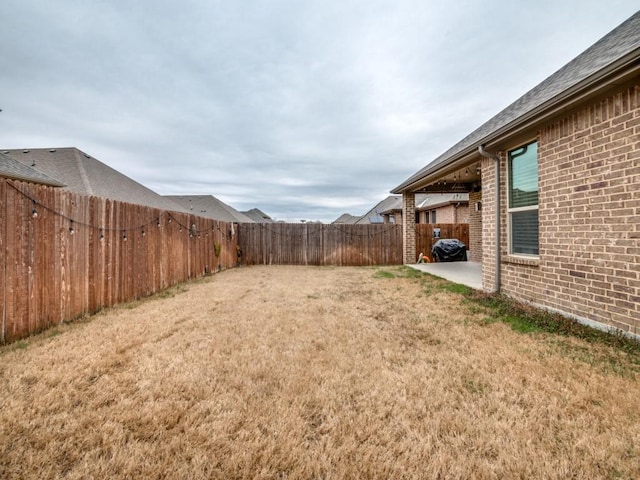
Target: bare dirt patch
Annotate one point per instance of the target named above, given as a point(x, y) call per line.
point(303, 372)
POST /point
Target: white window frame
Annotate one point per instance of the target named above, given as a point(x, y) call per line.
point(510, 210)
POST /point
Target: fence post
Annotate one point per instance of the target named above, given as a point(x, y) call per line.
point(3, 259)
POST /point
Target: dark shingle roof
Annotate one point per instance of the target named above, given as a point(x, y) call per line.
point(393, 203)
point(209, 206)
point(435, 200)
point(83, 174)
point(258, 216)
point(621, 42)
point(390, 204)
point(11, 168)
point(374, 215)
point(346, 218)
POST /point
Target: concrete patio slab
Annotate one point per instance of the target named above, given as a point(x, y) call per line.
point(465, 273)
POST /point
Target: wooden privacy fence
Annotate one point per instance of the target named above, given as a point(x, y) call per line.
point(65, 255)
point(320, 244)
point(425, 238)
point(346, 245)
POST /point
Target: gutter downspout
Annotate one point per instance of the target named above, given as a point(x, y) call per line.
point(498, 259)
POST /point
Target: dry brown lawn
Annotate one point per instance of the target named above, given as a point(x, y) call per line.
point(303, 372)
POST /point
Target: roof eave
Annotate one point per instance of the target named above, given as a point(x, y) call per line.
point(615, 73)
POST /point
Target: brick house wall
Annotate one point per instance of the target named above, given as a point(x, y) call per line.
point(589, 217)
point(475, 226)
point(446, 214)
point(452, 214)
point(462, 214)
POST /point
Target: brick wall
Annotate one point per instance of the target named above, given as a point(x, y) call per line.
point(589, 210)
point(462, 214)
point(452, 213)
point(409, 227)
point(475, 226)
point(489, 221)
point(446, 214)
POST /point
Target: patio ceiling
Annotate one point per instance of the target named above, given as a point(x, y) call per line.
point(462, 180)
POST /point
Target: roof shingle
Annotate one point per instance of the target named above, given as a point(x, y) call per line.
point(11, 168)
point(209, 206)
point(83, 174)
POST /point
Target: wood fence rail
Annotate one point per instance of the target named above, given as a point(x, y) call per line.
point(320, 244)
point(64, 255)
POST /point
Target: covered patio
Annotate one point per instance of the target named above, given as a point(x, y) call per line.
point(464, 273)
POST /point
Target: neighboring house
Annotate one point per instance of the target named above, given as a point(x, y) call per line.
point(443, 208)
point(13, 169)
point(433, 208)
point(554, 180)
point(430, 208)
point(81, 173)
point(375, 215)
point(258, 216)
point(346, 218)
point(209, 206)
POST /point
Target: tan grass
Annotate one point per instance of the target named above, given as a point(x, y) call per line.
point(301, 372)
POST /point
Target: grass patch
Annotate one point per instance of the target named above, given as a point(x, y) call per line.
point(408, 272)
point(383, 274)
point(523, 318)
point(612, 352)
point(400, 272)
point(171, 291)
point(527, 318)
point(161, 295)
point(87, 318)
point(456, 288)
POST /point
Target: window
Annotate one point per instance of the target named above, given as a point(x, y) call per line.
point(523, 199)
point(433, 216)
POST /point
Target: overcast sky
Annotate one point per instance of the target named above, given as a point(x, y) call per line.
point(306, 109)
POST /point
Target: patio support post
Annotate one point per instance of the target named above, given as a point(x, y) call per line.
point(409, 227)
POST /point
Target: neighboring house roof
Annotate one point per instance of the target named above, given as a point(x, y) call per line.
point(209, 206)
point(589, 73)
point(392, 203)
point(258, 216)
point(83, 174)
point(346, 218)
point(435, 200)
point(375, 214)
point(15, 170)
point(424, 201)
